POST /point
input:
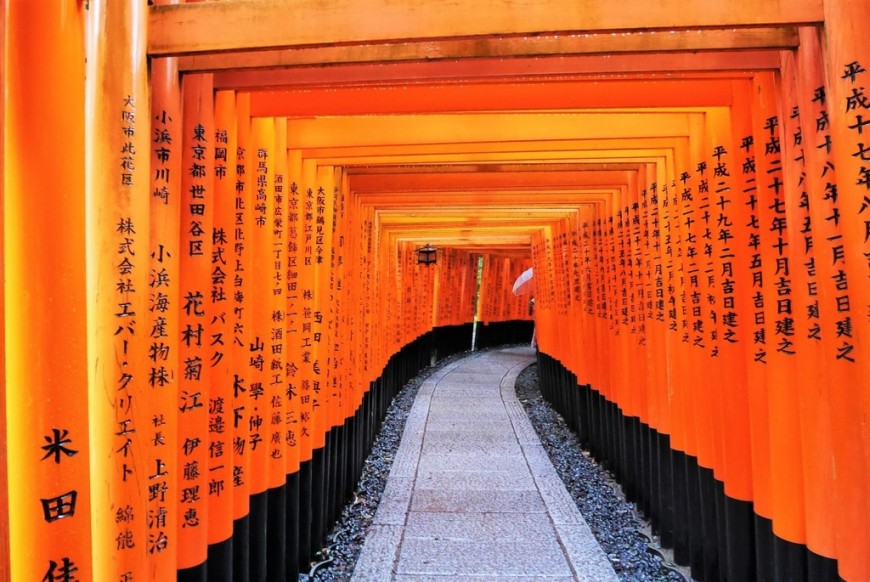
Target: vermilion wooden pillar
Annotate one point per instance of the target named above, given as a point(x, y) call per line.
point(303, 345)
point(336, 368)
point(333, 372)
point(276, 559)
point(780, 275)
point(683, 434)
point(307, 211)
point(117, 222)
point(661, 514)
point(751, 308)
point(4, 473)
point(163, 310)
point(732, 271)
point(292, 331)
point(820, 183)
point(242, 308)
point(847, 72)
point(45, 407)
point(811, 239)
point(262, 270)
point(195, 316)
point(341, 345)
point(371, 326)
point(321, 246)
point(221, 416)
point(586, 372)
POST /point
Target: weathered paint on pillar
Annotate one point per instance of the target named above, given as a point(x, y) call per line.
point(118, 189)
point(195, 315)
point(242, 307)
point(45, 406)
point(221, 382)
point(262, 176)
point(847, 68)
point(163, 309)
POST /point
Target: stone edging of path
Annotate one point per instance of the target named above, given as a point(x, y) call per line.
point(585, 556)
point(380, 552)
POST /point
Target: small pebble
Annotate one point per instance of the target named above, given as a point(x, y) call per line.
point(614, 522)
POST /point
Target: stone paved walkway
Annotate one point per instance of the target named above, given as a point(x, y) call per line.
point(472, 494)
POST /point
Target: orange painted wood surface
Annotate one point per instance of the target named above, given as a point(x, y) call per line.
point(163, 317)
point(237, 264)
point(505, 47)
point(254, 24)
point(45, 436)
point(117, 228)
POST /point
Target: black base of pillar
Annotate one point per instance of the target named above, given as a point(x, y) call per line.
point(292, 524)
point(822, 569)
point(722, 529)
point(720, 538)
point(276, 535)
point(259, 525)
point(242, 549)
point(740, 532)
point(318, 496)
point(304, 515)
point(682, 548)
point(666, 488)
point(709, 524)
point(195, 574)
point(764, 566)
point(220, 561)
point(790, 560)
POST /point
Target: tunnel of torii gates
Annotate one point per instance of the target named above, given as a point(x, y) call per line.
point(209, 305)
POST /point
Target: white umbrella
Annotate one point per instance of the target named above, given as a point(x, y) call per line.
point(525, 283)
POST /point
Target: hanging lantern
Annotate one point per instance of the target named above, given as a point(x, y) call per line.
point(427, 255)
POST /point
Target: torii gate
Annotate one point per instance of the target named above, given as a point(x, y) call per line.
point(207, 307)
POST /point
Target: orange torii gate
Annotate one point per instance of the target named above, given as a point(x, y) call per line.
point(205, 323)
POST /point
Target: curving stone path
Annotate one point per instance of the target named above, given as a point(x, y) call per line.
point(472, 494)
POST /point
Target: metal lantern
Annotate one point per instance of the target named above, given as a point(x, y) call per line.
point(427, 255)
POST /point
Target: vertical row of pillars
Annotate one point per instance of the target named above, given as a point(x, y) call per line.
point(718, 537)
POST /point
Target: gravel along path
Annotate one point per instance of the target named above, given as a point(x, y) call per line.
point(615, 522)
point(344, 543)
